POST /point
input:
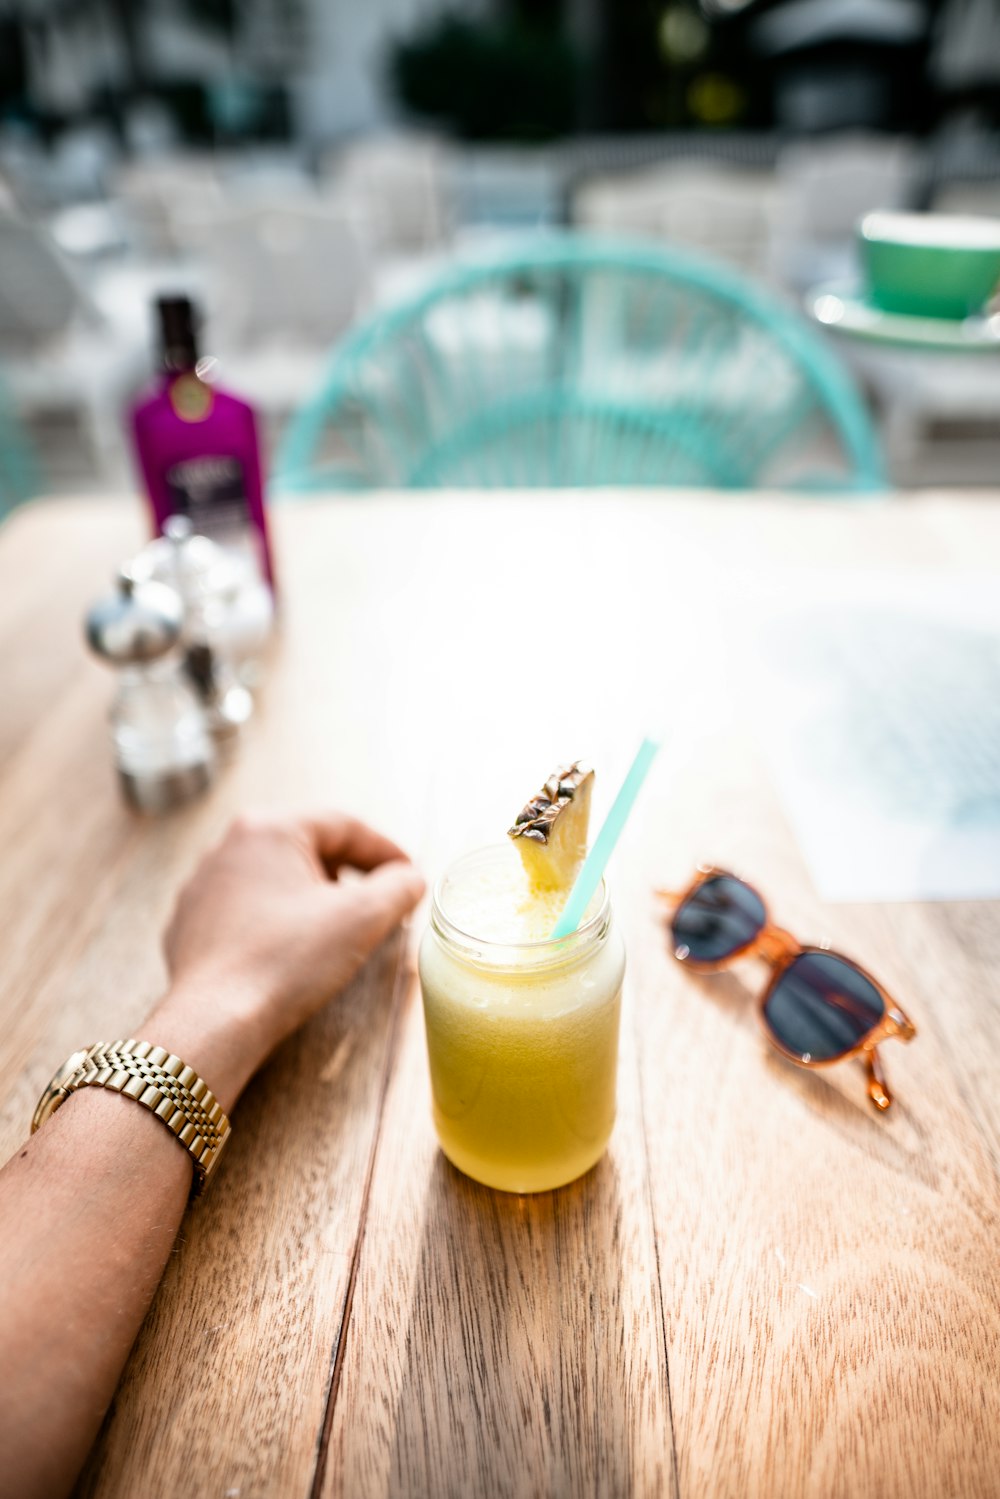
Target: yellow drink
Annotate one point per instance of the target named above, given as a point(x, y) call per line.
point(522, 1032)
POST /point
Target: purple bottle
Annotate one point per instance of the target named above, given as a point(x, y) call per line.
point(197, 446)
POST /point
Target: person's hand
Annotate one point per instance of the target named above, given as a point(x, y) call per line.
point(266, 931)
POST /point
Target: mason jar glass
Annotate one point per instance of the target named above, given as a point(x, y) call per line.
point(522, 1037)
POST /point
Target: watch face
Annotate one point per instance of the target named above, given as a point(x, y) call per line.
point(56, 1090)
point(66, 1071)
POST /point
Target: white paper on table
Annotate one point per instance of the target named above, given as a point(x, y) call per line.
point(879, 715)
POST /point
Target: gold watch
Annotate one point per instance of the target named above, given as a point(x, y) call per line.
point(158, 1080)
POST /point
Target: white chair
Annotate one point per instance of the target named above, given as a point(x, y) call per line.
point(284, 276)
point(77, 168)
point(916, 391)
point(629, 204)
point(724, 210)
point(403, 181)
point(58, 352)
point(157, 191)
point(824, 187)
point(708, 206)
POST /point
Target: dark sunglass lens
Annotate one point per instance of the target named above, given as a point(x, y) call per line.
point(822, 1006)
point(719, 918)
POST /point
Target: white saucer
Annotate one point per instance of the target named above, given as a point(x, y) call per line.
point(840, 306)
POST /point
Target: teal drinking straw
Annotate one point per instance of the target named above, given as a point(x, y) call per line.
point(603, 845)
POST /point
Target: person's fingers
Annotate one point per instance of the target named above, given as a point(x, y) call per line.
point(339, 839)
point(368, 909)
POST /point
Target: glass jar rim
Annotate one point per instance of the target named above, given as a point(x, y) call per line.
point(542, 952)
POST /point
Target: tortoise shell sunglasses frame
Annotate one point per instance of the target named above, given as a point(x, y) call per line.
point(779, 949)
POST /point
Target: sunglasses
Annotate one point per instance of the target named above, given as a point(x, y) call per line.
point(819, 1007)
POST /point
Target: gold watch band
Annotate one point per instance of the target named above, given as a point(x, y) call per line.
point(158, 1080)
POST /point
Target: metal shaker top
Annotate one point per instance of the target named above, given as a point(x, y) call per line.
point(139, 623)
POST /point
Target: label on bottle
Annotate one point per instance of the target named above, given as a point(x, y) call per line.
point(212, 492)
point(191, 398)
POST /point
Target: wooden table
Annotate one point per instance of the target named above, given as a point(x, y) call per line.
point(764, 1289)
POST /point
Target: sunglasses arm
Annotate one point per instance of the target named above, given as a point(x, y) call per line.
point(878, 1087)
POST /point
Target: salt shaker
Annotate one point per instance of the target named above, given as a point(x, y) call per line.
point(210, 580)
point(163, 747)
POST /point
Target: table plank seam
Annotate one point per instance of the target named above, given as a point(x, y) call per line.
point(676, 1484)
point(402, 979)
point(943, 1035)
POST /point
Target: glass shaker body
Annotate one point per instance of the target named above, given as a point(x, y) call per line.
point(163, 747)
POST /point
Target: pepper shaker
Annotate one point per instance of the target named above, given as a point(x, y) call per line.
point(208, 578)
point(163, 748)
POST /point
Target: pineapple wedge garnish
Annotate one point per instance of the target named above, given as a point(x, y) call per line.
point(551, 830)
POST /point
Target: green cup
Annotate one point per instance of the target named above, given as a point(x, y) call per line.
point(930, 264)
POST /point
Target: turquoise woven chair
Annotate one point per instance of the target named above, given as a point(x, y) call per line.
point(18, 470)
point(575, 361)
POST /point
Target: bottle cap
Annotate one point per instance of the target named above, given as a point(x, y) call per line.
point(178, 333)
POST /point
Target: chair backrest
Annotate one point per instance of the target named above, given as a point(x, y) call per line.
point(826, 185)
point(18, 467)
point(691, 205)
point(720, 208)
point(287, 264)
point(406, 179)
point(38, 295)
point(157, 191)
point(580, 362)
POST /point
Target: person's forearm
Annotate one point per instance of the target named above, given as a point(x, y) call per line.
point(263, 934)
point(91, 1205)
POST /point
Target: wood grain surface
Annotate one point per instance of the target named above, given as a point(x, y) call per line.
point(764, 1289)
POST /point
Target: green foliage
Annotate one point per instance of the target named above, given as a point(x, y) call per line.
point(510, 81)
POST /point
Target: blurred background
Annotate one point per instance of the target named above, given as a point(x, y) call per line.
point(295, 165)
